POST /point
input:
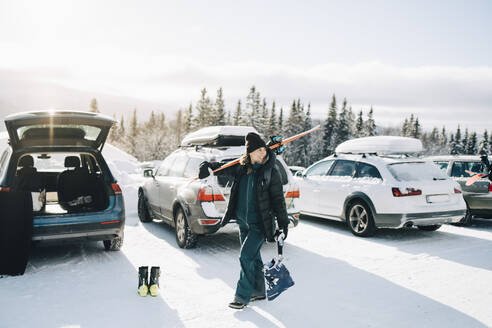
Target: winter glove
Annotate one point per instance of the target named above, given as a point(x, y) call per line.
point(204, 172)
point(284, 230)
point(275, 140)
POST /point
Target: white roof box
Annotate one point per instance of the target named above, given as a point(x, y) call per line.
point(226, 135)
point(381, 145)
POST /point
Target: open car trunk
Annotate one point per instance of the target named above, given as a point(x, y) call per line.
point(62, 183)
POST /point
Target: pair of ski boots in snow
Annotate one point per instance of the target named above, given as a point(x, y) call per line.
point(146, 285)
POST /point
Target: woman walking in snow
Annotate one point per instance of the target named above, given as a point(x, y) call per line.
point(255, 201)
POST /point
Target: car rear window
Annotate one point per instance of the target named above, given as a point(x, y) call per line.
point(416, 171)
point(70, 131)
point(459, 169)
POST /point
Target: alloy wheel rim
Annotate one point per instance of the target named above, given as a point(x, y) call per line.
point(358, 218)
point(180, 227)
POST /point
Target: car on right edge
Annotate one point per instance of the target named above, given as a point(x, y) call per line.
point(478, 196)
point(374, 182)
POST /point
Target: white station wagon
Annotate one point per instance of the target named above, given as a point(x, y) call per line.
point(373, 183)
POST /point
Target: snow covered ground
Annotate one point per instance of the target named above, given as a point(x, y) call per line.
point(407, 278)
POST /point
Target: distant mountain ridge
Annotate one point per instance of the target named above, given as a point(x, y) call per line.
point(19, 94)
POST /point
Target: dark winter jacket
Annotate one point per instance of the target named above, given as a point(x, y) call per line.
point(270, 202)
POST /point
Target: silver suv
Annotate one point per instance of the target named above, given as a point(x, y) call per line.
point(478, 196)
point(196, 207)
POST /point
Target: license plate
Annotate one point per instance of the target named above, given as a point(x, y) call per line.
point(437, 198)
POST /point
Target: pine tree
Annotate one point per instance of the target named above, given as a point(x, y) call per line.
point(472, 145)
point(262, 119)
point(281, 121)
point(189, 119)
point(457, 147)
point(204, 109)
point(484, 143)
point(295, 152)
point(464, 142)
point(219, 109)
point(370, 124)
point(122, 131)
point(359, 126)
point(237, 114)
point(434, 142)
point(133, 133)
point(453, 145)
point(229, 119)
point(443, 140)
point(342, 132)
point(94, 106)
point(252, 108)
point(405, 128)
point(416, 130)
point(351, 122)
point(179, 126)
point(272, 122)
point(329, 128)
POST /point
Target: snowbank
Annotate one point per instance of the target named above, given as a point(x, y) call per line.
point(127, 171)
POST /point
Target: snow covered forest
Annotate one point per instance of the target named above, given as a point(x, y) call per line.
point(159, 135)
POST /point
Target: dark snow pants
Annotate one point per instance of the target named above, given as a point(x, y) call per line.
point(251, 280)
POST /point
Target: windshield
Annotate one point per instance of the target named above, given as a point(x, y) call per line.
point(416, 171)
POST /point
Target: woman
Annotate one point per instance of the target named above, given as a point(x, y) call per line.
point(255, 201)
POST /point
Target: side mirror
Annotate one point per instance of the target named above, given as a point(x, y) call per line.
point(299, 174)
point(148, 173)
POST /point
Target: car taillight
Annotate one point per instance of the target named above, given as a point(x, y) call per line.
point(208, 222)
point(457, 191)
point(292, 194)
point(490, 187)
point(206, 195)
point(6, 189)
point(116, 189)
point(410, 192)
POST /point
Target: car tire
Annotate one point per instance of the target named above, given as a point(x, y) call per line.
point(185, 238)
point(467, 219)
point(429, 227)
point(114, 244)
point(360, 220)
point(143, 210)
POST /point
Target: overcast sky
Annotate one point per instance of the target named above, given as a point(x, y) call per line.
point(432, 58)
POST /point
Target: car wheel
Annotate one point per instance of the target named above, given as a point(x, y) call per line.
point(184, 237)
point(429, 227)
point(143, 210)
point(467, 219)
point(114, 244)
point(360, 220)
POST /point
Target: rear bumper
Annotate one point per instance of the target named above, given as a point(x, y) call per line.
point(423, 219)
point(91, 231)
point(102, 225)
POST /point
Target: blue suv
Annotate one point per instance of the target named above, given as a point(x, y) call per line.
point(56, 156)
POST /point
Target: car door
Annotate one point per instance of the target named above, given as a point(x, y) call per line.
point(168, 186)
point(368, 180)
point(336, 187)
point(160, 179)
point(310, 186)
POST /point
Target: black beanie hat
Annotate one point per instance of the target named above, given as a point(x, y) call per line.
point(253, 142)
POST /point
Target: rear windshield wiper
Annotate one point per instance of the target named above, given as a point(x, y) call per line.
point(435, 179)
